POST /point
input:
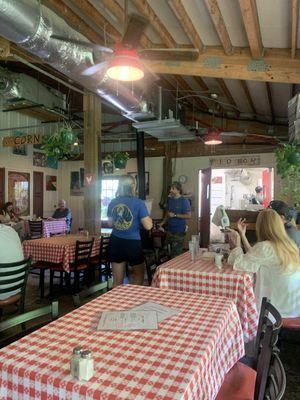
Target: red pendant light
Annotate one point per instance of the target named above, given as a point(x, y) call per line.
point(213, 137)
point(125, 65)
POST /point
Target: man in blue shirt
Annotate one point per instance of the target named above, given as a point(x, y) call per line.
point(178, 210)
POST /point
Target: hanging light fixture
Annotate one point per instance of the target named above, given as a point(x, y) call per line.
point(213, 137)
point(125, 65)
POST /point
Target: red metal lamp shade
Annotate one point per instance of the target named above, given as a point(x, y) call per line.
point(125, 65)
point(213, 137)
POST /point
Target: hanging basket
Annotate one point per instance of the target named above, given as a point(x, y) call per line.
point(120, 160)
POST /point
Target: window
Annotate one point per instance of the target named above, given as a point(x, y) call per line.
point(108, 192)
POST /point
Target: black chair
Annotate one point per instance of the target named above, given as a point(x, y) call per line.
point(85, 294)
point(21, 320)
point(15, 275)
point(163, 254)
point(101, 261)
point(35, 229)
point(151, 264)
point(276, 382)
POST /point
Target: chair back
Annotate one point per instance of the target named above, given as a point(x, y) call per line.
point(276, 382)
point(35, 229)
point(268, 314)
point(163, 255)
point(13, 280)
point(151, 265)
point(103, 252)
point(83, 252)
point(20, 320)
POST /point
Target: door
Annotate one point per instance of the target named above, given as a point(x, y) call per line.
point(205, 180)
point(2, 186)
point(38, 193)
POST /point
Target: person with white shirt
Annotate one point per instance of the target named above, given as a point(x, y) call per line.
point(10, 251)
point(275, 260)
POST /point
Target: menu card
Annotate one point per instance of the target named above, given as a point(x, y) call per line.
point(161, 311)
point(127, 320)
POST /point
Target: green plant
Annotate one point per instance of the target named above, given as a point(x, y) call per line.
point(60, 144)
point(288, 168)
point(120, 159)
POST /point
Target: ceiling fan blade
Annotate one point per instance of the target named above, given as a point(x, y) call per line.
point(82, 43)
point(135, 28)
point(170, 54)
point(94, 69)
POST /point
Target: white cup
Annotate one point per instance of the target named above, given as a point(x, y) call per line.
point(192, 249)
point(218, 260)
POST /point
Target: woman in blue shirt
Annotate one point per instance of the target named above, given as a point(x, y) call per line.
point(125, 214)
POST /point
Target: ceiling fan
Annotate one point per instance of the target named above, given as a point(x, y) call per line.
point(126, 52)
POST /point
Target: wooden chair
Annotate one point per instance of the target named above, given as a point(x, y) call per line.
point(21, 320)
point(35, 229)
point(81, 264)
point(245, 383)
point(15, 275)
point(151, 264)
point(163, 254)
point(101, 261)
point(84, 294)
point(276, 382)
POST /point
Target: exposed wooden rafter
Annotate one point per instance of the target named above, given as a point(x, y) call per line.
point(186, 23)
point(188, 90)
point(294, 27)
point(144, 8)
point(248, 96)
point(201, 83)
point(251, 23)
point(73, 20)
point(213, 63)
point(227, 93)
point(217, 19)
point(268, 87)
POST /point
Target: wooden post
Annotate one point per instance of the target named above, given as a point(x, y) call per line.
point(92, 162)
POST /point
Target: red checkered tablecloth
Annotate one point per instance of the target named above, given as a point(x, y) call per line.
point(203, 277)
point(186, 358)
point(56, 249)
point(54, 226)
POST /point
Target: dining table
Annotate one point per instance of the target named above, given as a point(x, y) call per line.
point(57, 249)
point(187, 357)
point(203, 277)
point(54, 226)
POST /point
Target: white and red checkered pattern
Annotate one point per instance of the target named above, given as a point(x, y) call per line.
point(56, 249)
point(186, 358)
point(203, 277)
point(54, 226)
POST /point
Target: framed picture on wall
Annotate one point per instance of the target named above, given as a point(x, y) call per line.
point(19, 191)
point(19, 150)
point(51, 182)
point(39, 159)
point(75, 188)
point(135, 175)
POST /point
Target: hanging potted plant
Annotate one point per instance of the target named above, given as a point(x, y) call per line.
point(288, 168)
point(60, 145)
point(120, 159)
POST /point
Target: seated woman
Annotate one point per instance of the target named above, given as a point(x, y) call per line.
point(9, 217)
point(275, 260)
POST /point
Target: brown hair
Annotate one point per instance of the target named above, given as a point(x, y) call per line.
point(269, 226)
point(127, 186)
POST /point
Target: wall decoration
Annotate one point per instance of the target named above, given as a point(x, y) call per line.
point(18, 139)
point(216, 179)
point(241, 161)
point(135, 175)
point(90, 179)
point(51, 162)
point(75, 188)
point(39, 159)
point(20, 150)
point(81, 173)
point(51, 182)
point(19, 191)
point(107, 166)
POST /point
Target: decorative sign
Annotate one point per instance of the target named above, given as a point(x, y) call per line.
point(242, 161)
point(12, 141)
point(90, 179)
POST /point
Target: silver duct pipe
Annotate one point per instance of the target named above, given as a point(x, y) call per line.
point(30, 25)
point(9, 88)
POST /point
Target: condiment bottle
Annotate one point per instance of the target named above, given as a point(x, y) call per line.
point(86, 366)
point(75, 359)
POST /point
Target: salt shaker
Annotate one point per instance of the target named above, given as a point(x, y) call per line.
point(74, 363)
point(86, 366)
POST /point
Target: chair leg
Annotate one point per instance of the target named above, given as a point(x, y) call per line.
point(61, 279)
point(51, 283)
point(42, 282)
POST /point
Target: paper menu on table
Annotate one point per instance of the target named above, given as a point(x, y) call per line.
point(162, 311)
point(127, 320)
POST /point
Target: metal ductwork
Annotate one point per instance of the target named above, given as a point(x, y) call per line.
point(9, 87)
point(30, 25)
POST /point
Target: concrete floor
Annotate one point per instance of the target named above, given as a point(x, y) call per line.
point(290, 353)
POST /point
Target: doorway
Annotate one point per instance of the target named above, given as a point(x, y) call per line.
point(38, 194)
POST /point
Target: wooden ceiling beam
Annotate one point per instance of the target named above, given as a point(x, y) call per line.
point(186, 23)
point(114, 8)
point(219, 24)
point(214, 63)
point(248, 96)
point(294, 27)
point(201, 83)
point(86, 8)
point(144, 8)
point(227, 94)
point(73, 20)
point(268, 87)
point(251, 23)
point(188, 90)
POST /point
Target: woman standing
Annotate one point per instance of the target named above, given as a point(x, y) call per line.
point(275, 260)
point(125, 214)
